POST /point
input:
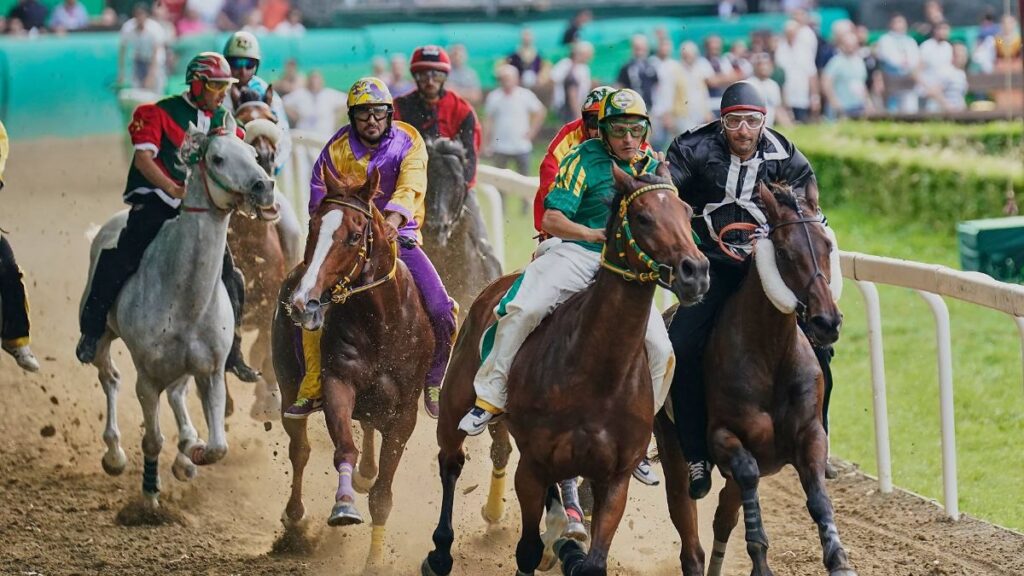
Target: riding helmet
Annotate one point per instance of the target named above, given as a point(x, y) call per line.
point(430, 57)
point(369, 91)
point(624, 102)
point(743, 96)
point(592, 103)
point(207, 67)
point(242, 44)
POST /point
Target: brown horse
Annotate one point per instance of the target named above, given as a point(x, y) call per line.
point(376, 348)
point(580, 395)
point(765, 386)
point(264, 250)
point(454, 234)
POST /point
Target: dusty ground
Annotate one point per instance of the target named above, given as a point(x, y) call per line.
point(59, 511)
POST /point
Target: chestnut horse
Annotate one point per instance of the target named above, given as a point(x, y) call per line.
point(376, 347)
point(580, 395)
point(765, 386)
point(454, 234)
point(265, 248)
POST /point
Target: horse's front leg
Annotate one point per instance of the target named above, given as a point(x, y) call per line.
point(366, 475)
point(609, 505)
point(391, 449)
point(531, 492)
point(114, 459)
point(451, 459)
point(213, 394)
point(811, 458)
point(184, 469)
point(681, 508)
point(152, 440)
point(339, 402)
point(738, 463)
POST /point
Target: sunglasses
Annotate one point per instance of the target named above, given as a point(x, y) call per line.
point(752, 120)
point(364, 113)
point(619, 130)
point(425, 75)
point(216, 87)
point(246, 63)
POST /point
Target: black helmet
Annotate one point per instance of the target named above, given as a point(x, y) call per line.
point(743, 96)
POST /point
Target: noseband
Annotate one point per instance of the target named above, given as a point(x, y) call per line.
point(342, 291)
point(663, 274)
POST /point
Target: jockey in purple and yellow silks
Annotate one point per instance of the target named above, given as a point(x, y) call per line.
point(373, 140)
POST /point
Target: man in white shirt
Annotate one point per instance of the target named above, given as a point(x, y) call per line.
point(762, 78)
point(315, 109)
point(145, 39)
point(800, 88)
point(899, 55)
point(512, 117)
point(571, 80)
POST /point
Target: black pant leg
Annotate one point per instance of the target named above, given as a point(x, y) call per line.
point(235, 284)
point(116, 265)
point(12, 293)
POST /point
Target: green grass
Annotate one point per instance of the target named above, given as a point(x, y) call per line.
point(989, 402)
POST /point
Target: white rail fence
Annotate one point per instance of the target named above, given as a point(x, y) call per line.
point(932, 282)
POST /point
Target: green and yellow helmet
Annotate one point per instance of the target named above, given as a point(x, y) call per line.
point(592, 103)
point(624, 102)
point(369, 91)
point(242, 44)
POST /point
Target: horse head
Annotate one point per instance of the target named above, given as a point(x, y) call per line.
point(446, 188)
point(798, 260)
point(650, 235)
point(262, 131)
point(231, 176)
point(339, 248)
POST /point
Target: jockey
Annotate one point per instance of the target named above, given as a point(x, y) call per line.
point(716, 167)
point(576, 211)
point(14, 332)
point(154, 190)
point(436, 112)
point(373, 139)
point(242, 51)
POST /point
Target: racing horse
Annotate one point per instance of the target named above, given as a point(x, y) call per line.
point(454, 234)
point(376, 349)
point(265, 248)
point(580, 395)
point(764, 385)
point(173, 314)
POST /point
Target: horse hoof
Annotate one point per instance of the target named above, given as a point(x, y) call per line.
point(196, 453)
point(362, 484)
point(116, 467)
point(426, 570)
point(576, 531)
point(290, 522)
point(547, 561)
point(183, 468)
point(344, 514)
point(151, 499)
point(487, 517)
point(843, 572)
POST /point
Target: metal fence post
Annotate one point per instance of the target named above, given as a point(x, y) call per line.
point(881, 409)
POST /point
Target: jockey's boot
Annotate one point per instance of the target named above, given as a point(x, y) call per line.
point(700, 479)
point(431, 401)
point(236, 363)
point(86, 349)
point(23, 356)
point(476, 420)
point(645, 474)
point(303, 408)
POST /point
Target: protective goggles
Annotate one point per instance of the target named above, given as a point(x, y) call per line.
point(364, 113)
point(238, 63)
point(424, 75)
point(216, 87)
point(620, 129)
point(736, 120)
point(590, 121)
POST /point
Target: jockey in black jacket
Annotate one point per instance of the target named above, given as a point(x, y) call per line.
point(716, 168)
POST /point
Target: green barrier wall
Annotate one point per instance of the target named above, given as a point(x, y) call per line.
point(64, 86)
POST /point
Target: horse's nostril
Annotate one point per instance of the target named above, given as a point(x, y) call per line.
point(259, 186)
point(826, 323)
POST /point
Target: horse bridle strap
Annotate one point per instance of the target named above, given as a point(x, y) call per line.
point(660, 273)
point(341, 291)
point(205, 173)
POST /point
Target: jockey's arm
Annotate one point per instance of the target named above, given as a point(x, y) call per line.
point(470, 136)
point(558, 225)
point(145, 161)
point(408, 200)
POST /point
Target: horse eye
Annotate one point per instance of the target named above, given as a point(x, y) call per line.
point(643, 219)
point(218, 160)
point(355, 238)
point(780, 254)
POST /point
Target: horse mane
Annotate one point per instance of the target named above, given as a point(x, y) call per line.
point(785, 195)
point(447, 147)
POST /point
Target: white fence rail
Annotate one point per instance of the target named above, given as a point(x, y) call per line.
point(932, 282)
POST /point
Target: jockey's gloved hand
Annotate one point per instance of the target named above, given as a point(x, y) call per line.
point(406, 242)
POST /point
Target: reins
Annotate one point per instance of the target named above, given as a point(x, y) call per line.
point(342, 291)
point(663, 274)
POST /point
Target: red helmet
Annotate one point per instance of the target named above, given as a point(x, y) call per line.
point(430, 57)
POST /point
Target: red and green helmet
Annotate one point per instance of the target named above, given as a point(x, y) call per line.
point(592, 103)
point(209, 67)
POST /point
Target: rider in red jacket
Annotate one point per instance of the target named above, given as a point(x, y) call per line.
point(436, 112)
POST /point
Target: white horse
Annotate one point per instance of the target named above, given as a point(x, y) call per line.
point(173, 314)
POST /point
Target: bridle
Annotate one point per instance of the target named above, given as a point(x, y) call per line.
point(342, 289)
point(663, 274)
point(199, 157)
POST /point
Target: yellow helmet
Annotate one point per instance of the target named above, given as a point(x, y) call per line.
point(624, 102)
point(369, 91)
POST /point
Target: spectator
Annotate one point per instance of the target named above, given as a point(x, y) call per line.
point(191, 24)
point(29, 13)
point(988, 25)
point(806, 37)
point(762, 78)
point(400, 84)
point(315, 109)
point(641, 72)
point(572, 33)
point(162, 15)
point(205, 11)
point(947, 92)
point(513, 116)
point(175, 9)
point(235, 14)
point(898, 56)
point(739, 59)
point(796, 59)
point(728, 9)
point(290, 80)
point(293, 26)
point(723, 75)
point(274, 12)
point(379, 69)
point(145, 40)
point(936, 55)
point(254, 23)
point(69, 15)
point(527, 60)
point(16, 28)
point(933, 16)
point(1008, 41)
point(571, 80)
point(462, 78)
point(663, 104)
point(694, 72)
point(844, 80)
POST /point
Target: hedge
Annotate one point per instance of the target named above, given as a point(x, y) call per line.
point(993, 138)
point(930, 186)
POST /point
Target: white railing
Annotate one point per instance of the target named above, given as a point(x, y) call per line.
point(932, 282)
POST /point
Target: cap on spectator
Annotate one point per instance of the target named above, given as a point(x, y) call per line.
point(743, 96)
point(430, 57)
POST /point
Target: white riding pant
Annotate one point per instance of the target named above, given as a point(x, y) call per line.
point(546, 283)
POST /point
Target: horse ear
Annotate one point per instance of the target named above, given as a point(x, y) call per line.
point(771, 205)
point(334, 185)
point(811, 194)
point(230, 126)
point(192, 147)
point(623, 182)
point(372, 185)
point(662, 170)
point(268, 96)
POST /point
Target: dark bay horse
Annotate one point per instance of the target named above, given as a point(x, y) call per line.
point(264, 248)
point(765, 386)
point(376, 347)
point(580, 393)
point(454, 235)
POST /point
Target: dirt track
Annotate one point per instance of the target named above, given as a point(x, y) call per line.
point(59, 511)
